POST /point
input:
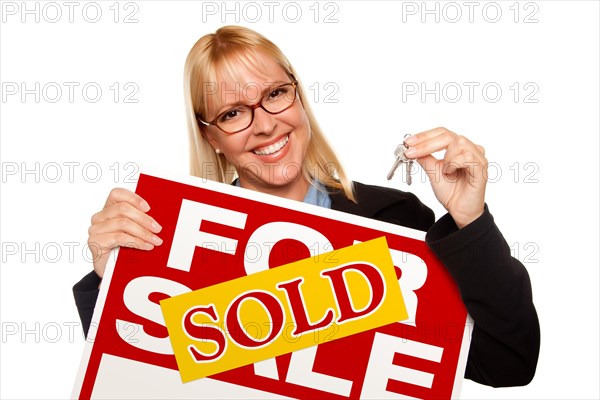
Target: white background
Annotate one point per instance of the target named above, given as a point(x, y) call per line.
point(548, 212)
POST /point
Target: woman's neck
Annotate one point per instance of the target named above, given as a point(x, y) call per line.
point(294, 191)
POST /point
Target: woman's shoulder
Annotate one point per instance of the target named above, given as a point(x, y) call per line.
point(385, 204)
point(374, 190)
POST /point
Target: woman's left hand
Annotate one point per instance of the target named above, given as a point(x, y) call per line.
point(458, 180)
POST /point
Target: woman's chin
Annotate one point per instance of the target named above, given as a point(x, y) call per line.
point(273, 179)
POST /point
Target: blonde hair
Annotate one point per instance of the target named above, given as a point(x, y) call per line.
point(217, 52)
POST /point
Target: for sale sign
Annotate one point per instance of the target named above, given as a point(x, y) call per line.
point(254, 296)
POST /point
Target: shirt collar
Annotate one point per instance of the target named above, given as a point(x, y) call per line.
point(316, 194)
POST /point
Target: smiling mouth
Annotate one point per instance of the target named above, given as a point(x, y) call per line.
point(273, 148)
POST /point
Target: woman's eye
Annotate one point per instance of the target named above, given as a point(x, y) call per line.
point(279, 92)
point(229, 115)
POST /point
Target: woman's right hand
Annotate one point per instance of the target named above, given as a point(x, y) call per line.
point(122, 222)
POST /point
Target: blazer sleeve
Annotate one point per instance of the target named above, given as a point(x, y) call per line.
point(86, 293)
point(496, 290)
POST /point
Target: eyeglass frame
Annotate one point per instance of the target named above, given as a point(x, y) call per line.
point(253, 107)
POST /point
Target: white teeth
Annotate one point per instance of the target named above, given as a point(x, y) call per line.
point(275, 147)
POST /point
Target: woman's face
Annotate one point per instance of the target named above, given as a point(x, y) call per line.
point(269, 154)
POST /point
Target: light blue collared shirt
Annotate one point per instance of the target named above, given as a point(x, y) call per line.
point(316, 194)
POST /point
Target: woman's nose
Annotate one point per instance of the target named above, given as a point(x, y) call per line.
point(264, 122)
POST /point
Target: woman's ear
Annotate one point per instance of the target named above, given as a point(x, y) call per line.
point(211, 140)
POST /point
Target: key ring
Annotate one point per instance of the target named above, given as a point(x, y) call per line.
point(404, 141)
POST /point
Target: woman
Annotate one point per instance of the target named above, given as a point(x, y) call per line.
point(247, 115)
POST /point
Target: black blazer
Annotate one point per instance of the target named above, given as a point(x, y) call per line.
point(494, 286)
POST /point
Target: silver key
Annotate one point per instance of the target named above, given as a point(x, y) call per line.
point(400, 158)
point(409, 166)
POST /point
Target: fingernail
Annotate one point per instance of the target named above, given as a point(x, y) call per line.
point(145, 206)
point(156, 240)
point(411, 151)
point(410, 140)
point(148, 246)
point(156, 226)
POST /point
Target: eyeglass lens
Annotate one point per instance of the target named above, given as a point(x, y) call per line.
point(240, 117)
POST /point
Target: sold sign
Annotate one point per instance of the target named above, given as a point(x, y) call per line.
point(277, 311)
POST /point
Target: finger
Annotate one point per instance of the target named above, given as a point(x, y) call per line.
point(118, 195)
point(125, 225)
point(466, 161)
point(460, 145)
point(424, 136)
point(101, 244)
point(429, 143)
point(126, 210)
point(431, 166)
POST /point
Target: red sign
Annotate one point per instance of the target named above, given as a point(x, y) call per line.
point(234, 233)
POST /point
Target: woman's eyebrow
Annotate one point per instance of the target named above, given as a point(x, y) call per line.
point(269, 86)
point(227, 106)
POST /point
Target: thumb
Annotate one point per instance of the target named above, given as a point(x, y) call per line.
point(431, 166)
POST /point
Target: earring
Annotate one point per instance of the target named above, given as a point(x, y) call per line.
point(218, 151)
